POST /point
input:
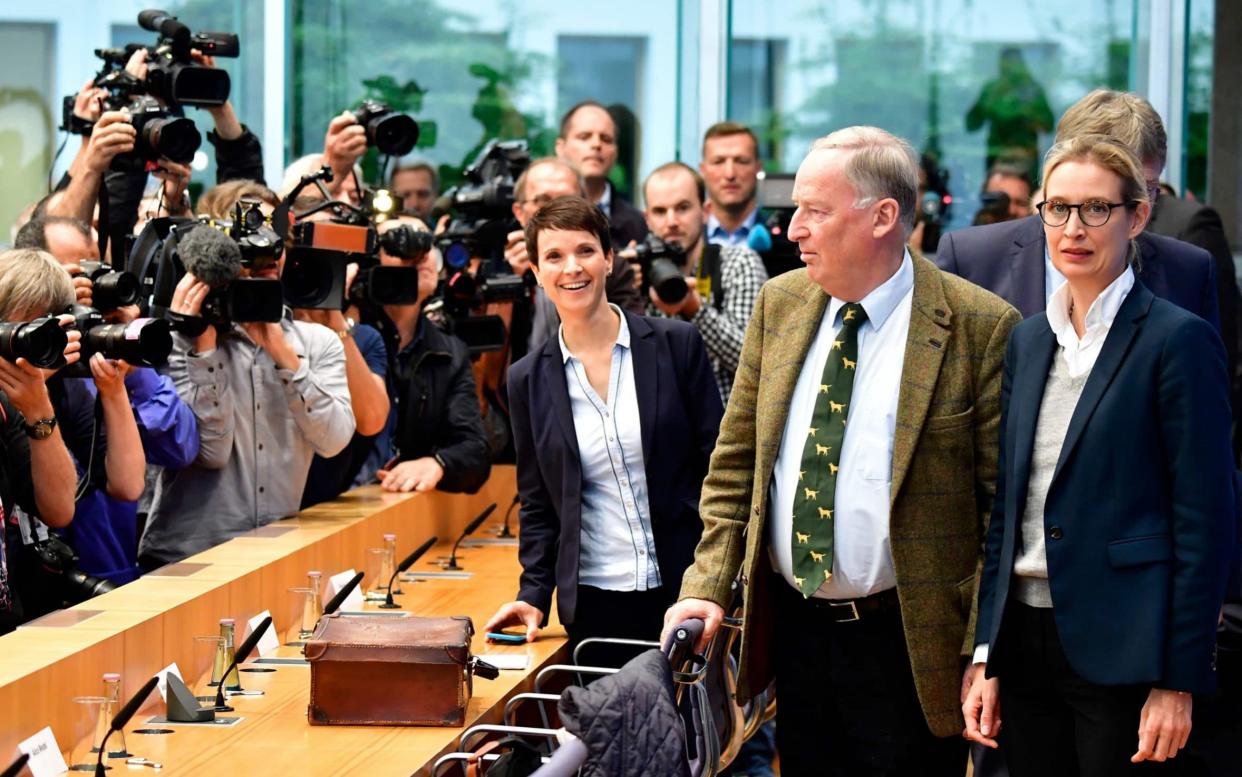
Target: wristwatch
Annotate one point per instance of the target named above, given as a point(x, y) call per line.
point(348, 331)
point(41, 429)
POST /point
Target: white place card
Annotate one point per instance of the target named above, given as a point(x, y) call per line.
point(337, 582)
point(163, 675)
point(46, 759)
point(268, 643)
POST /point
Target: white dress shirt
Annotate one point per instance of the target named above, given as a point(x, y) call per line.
point(862, 561)
point(617, 550)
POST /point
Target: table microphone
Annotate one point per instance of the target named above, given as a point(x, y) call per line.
point(504, 530)
point(452, 562)
point(121, 719)
point(335, 602)
point(16, 766)
point(405, 564)
point(243, 651)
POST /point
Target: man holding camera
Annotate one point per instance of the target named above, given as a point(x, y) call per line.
point(268, 397)
point(35, 466)
point(722, 282)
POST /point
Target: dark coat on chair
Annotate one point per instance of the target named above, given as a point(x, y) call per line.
point(1139, 519)
point(679, 407)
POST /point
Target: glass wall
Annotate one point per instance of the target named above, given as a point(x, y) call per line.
point(968, 83)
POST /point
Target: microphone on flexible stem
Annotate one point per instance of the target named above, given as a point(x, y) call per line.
point(452, 562)
point(243, 651)
point(405, 564)
point(504, 530)
point(121, 719)
point(16, 767)
point(335, 602)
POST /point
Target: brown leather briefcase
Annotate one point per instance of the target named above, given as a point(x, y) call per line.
point(384, 671)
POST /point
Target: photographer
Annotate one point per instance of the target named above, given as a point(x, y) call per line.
point(105, 527)
point(438, 434)
point(722, 282)
point(36, 471)
point(1006, 195)
point(545, 180)
point(267, 397)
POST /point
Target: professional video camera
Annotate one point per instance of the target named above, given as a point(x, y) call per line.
point(173, 80)
point(775, 201)
point(143, 342)
point(482, 207)
point(215, 253)
point(662, 264)
point(41, 342)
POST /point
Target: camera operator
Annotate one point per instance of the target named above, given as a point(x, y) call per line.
point(722, 282)
point(36, 471)
point(1006, 195)
point(438, 431)
point(543, 181)
point(267, 397)
point(343, 145)
point(417, 183)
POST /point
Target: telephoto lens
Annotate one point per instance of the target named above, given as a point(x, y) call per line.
point(406, 242)
point(111, 289)
point(143, 342)
point(41, 342)
point(392, 133)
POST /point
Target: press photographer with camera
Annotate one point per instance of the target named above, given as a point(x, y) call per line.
point(1006, 195)
point(267, 394)
point(437, 434)
point(36, 471)
point(712, 286)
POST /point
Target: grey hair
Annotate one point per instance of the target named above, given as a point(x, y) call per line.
point(32, 281)
point(879, 166)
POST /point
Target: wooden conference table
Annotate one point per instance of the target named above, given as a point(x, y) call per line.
point(142, 627)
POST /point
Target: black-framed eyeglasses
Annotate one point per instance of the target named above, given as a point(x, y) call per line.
point(1093, 213)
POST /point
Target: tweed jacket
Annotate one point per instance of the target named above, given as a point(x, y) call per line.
point(943, 477)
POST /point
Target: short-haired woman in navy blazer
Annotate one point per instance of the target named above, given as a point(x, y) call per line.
point(1107, 550)
point(614, 420)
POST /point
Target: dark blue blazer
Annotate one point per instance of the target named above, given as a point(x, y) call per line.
point(680, 410)
point(1007, 259)
point(1139, 519)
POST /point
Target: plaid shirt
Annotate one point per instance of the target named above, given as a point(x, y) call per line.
point(741, 276)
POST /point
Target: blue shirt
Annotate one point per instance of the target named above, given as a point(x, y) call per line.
point(617, 547)
point(717, 234)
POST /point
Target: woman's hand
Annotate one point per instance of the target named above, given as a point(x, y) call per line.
point(1164, 725)
point(981, 708)
point(517, 614)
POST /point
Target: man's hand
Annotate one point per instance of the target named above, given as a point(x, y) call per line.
point(709, 612)
point(270, 337)
point(686, 308)
point(345, 142)
point(126, 314)
point(515, 252)
point(517, 614)
point(24, 385)
point(88, 102)
point(109, 375)
point(83, 287)
point(113, 134)
point(187, 300)
point(176, 179)
point(136, 66)
point(981, 708)
point(415, 475)
point(1164, 725)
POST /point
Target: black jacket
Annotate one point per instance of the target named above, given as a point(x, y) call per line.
point(437, 408)
point(241, 157)
point(625, 222)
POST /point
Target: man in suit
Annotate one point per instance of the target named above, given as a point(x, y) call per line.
point(588, 141)
point(857, 544)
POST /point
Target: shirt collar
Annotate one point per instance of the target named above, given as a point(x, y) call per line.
point(883, 299)
point(623, 335)
point(1100, 315)
point(605, 202)
point(716, 229)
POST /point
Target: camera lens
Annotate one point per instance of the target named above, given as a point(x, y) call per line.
point(406, 242)
point(394, 133)
point(668, 281)
point(176, 139)
point(145, 342)
point(40, 342)
point(80, 586)
point(386, 286)
point(456, 255)
point(114, 289)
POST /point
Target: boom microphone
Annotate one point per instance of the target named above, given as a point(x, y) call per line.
point(405, 564)
point(210, 255)
point(164, 23)
point(243, 652)
point(121, 719)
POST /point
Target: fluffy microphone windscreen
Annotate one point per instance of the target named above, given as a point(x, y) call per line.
point(210, 255)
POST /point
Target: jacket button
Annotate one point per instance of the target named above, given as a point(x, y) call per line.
point(1055, 533)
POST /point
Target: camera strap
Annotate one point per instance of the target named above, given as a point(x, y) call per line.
point(709, 264)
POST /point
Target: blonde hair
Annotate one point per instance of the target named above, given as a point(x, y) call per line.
point(879, 166)
point(33, 282)
point(1102, 151)
point(1124, 117)
point(218, 201)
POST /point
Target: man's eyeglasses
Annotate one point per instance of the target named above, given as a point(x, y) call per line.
point(1094, 213)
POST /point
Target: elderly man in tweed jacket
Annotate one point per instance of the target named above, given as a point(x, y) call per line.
point(853, 476)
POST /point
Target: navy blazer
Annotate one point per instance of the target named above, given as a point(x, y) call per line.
point(1139, 520)
point(1007, 259)
point(680, 410)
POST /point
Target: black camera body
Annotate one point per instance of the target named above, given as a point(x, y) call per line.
point(111, 288)
point(392, 133)
point(662, 264)
point(482, 207)
point(143, 342)
point(41, 342)
point(60, 563)
point(993, 208)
